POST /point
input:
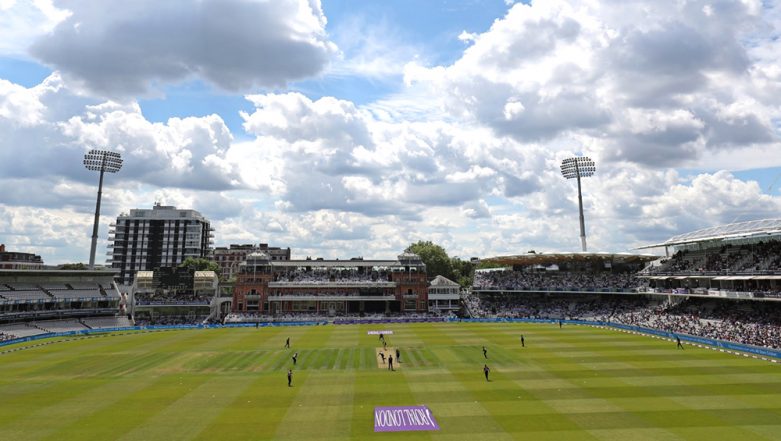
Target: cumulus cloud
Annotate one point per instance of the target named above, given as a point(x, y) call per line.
point(465, 154)
point(125, 48)
point(654, 83)
point(21, 22)
point(476, 210)
point(330, 154)
point(183, 152)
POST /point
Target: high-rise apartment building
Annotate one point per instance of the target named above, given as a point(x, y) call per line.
point(162, 237)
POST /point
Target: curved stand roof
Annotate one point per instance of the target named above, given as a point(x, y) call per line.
point(737, 230)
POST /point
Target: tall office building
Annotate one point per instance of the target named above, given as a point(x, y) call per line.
point(162, 237)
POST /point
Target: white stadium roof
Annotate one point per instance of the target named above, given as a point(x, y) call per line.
point(556, 258)
point(738, 230)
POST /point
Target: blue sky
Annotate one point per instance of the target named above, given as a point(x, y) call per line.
point(349, 128)
point(430, 27)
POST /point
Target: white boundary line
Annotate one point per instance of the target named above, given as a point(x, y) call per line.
point(713, 348)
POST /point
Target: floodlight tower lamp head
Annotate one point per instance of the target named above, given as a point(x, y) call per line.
point(581, 166)
point(103, 160)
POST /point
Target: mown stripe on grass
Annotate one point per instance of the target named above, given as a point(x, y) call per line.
point(191, 413)
point(50, 415)
point(255, 413)
point(113, 418)
point(653, 392)
point(326, 398)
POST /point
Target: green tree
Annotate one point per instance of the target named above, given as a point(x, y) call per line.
point(74, 266)
point(463, 271)
point(200, 264)
point(435, 257)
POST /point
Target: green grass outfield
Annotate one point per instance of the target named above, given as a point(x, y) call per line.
point(230, 384)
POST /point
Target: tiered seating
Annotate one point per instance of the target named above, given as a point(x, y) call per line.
point(761, 256)
point(84, 285)
point(23, 286)
point(61, 325)
point(77, 294)
point(53, 286)
point(172, 298)
point(321, 275)
point(107, 322)
point(112, 293)
point(20, 330)
point(555, 281)
point(25, 295)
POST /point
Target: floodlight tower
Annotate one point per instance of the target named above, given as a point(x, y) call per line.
point(579, 167)
point(102, 161)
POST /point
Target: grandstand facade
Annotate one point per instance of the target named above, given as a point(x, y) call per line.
point(174, 295)
point(721, 282)
point(738, 260)
point(31, 295)
point(562, 272)
point(330, 287)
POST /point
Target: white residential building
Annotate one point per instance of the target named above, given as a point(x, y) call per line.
point(162, 237)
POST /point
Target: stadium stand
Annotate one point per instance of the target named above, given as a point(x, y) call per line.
point(557, 272)
point(52, 286)
point(24, 296)
point(84, 285)
point(739, 260)
point(759, 257)
point(548, 281)
point(172, 298)
point(169, 320)
point(106, 322)
point(60, 325)
point(330, 287)
point(330, 275)
point(21, 330)
point(721, 282)
point(748, 322)
point(77, 294)
point(29, 297)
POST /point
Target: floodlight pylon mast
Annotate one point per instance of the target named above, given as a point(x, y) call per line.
point(94, 244)
point(102, 161)
point(580, 207)
point(578, 167)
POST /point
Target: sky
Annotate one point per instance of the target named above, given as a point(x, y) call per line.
point(354, 128)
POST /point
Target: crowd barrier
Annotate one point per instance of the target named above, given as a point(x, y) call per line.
point(767, 352)
point(156, 328)
point(360, 321)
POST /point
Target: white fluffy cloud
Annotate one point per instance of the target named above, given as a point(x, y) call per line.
point(183, 152)
point(22, 21)
point(466, 154)
point(125, 48)
point(330, 154)
point(655, 83)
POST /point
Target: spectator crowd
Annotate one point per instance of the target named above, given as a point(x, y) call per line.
point(555, 281)
point(325, 275)
point(748, 322)
point(172, 298)
point(761, 256)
